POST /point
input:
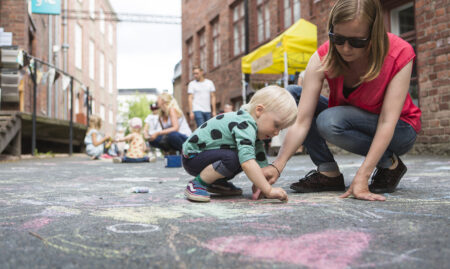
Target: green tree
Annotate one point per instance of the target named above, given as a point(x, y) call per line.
point(139, 107)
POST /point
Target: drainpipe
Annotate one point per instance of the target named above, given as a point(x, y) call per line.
point(247, 50)
point(50, 58)
point(65, 47)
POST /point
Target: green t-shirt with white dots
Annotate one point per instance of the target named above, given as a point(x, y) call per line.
point(233, 130)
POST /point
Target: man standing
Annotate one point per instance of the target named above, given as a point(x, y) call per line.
point(201, 97)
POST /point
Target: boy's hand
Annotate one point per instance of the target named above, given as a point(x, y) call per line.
point(278, 193)
point(257, 194)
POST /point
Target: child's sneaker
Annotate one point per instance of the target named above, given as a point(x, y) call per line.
point(196, 192)
point(224, 187)
point(117, 160)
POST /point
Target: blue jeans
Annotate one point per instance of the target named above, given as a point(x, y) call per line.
point(174, 141)
point(224, 161)
point(352, 129)
point(201, 117)
point(126, 159)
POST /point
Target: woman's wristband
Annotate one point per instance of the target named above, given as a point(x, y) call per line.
point(279, 174)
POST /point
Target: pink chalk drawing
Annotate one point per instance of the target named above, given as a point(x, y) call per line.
point(333, 249)
point(269, 227)
point(36, 224)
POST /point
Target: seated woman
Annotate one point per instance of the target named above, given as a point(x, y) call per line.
point(175, 129)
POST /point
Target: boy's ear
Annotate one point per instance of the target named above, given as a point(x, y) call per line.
point(259, 109)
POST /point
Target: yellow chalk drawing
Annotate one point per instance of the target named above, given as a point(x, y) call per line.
point(67, 246)
point(60, 211)
point(153, 214)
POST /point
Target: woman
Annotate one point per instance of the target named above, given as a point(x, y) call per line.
point(175, 129)
point(369, 111)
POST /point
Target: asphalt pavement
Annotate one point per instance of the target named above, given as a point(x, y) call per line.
point(73, 212)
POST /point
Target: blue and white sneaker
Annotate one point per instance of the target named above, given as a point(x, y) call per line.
point(224, 187)
point(196, 192)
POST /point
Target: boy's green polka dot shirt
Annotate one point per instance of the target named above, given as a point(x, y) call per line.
point(233, 130)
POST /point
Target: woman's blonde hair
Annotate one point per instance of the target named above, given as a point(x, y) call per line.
point(171, 103)
point(275, 99)
point(370, 12)
point(95, 122)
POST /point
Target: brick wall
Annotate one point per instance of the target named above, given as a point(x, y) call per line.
point(14, 18)
point(31, 34)
point(433, 64)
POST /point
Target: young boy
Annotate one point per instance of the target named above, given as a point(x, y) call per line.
point(229, 143)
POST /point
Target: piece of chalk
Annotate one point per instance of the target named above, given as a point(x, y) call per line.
point(140, 190)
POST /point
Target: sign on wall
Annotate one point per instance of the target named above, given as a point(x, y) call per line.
point(46, 7)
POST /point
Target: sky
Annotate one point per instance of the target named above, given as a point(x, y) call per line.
point(147, 53)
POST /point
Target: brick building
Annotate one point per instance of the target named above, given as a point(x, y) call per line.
point(83, 45)
point(213, 36)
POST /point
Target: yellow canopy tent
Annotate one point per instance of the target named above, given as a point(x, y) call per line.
point(287, 53)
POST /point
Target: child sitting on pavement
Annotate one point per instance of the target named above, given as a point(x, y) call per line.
point(137, 147)
point(94, 140)
point(229, 143)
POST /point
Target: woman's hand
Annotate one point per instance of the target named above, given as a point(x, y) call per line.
point(153, 136)
point(270, 173)
point(360, 190)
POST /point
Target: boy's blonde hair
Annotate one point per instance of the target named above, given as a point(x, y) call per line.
point(95, 122)
point(171, 103)
point(275, 99)
point(370, 12)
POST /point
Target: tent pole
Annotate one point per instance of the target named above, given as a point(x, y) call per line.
point(244, 94)
point(285, 70)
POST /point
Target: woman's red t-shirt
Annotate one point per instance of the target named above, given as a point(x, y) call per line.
point(369, 95)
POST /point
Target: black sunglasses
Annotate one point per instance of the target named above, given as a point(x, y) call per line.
point(353, 41)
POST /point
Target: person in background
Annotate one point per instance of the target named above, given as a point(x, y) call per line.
point(201, 97)
point(227, 108)
point(231, 142)
point(175, 129)
point(94, 140)
point(136, 150)
point(369, 111)
point(152, 125)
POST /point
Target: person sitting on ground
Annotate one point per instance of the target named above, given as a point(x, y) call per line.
point(151, 126)
point(175, 129)
point(227, 108)
point(369, 111)
point(231, 142)
point(136, 150)
point(94, 140)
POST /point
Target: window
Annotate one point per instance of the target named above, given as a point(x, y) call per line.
point(215, 43)
point(92, 9)
point(91, 59)
point(93, 107)
point(102, 112)
point(110, 77)
point(78, 46)
point(190, 60)
point(111, 116)
point(110, 33)
point(238, 29)
point(263, 17)
point(76, 105)
point(202, 49)
point(402, 24)
point(102, 21)
point(291, 12)
point(102, 70)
